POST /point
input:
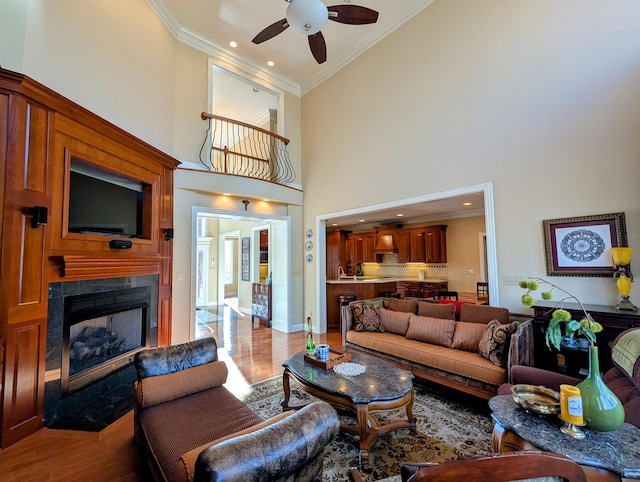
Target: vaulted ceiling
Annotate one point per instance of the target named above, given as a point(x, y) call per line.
point(210, 25)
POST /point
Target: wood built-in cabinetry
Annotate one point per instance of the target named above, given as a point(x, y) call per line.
point(40, 133)
point(425, 244)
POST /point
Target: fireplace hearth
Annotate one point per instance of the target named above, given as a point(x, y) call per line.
point(94, 329)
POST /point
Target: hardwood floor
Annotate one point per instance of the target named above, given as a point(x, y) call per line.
point(252, 353)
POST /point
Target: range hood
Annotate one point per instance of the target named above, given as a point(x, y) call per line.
point(386, 245)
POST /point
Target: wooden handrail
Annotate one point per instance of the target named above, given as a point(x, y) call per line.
point(206, 115)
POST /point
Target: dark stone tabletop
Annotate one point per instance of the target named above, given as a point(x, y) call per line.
point(380, 380)
point(617, 451)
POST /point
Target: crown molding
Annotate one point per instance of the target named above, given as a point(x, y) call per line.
point(222, 56)
point(240, 64)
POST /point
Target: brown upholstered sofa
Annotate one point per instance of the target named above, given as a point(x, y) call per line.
point(190, 427)
point(426, 339)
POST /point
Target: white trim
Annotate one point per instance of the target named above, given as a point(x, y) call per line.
point(490, 229)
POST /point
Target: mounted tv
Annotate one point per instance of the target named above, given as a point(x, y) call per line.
point(104, 203)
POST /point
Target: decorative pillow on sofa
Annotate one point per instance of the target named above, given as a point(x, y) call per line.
point(467, 336)
point(431, 330)
point(494, 344)
point(435, 310)
point(395, 322)
point(408, 306)
point(367, 318)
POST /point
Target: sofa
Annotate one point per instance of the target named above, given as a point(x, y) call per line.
point(473, 352)
point(623, 378)
point(189, 427)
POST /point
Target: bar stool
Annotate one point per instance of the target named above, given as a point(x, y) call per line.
point(345, 299)
point(482, 290)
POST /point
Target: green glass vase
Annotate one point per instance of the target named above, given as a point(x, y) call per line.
point(601, 408)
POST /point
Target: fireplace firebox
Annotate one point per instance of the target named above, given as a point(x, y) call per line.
point(102, 332)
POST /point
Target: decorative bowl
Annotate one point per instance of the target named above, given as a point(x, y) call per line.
point(536, 399)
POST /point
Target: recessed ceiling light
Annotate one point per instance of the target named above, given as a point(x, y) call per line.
point(271, 63)
point(334, 224)
point(265, 200)
point(361, 220)
point(233, 44)
point(226, 194)
point(466, 204)
point(399, 215)
point(256, 90)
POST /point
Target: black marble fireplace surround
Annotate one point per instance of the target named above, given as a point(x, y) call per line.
point(104, 393)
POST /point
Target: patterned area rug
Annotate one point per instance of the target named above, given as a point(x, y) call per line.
point(449, 425)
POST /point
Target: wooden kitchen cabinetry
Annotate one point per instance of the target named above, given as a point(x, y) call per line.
point(350, 253)
point(411, 246)
point(436, 243)
point(336, 253)
point(364, 245)
point(40, 133)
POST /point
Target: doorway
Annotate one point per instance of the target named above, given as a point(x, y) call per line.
point(222, 294)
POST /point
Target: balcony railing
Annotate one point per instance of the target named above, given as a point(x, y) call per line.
point(244, 150)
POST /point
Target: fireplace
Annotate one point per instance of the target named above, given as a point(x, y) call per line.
point(102, 332)
point(94, 328)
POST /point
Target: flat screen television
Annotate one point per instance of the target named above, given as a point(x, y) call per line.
point(104, 203)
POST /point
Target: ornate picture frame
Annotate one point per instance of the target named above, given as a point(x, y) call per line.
point(580, 246)
point(245, 259)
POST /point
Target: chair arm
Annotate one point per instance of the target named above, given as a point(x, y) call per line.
point(170, 359)
point(520, 347)
point(292, 447)
point(538, 376)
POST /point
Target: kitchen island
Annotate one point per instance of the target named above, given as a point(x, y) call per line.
point(367, 287)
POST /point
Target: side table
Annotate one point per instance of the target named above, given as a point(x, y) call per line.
point(604, 456)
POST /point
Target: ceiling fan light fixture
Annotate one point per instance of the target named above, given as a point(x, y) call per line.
point(307, 16)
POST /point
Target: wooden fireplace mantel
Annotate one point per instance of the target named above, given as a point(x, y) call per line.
point(40, 133)
point(72, 268)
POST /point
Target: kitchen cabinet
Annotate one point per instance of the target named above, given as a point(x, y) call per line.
point(336, 253)
point(350, 252)
point(364, 247)
point(436, 243)
point(411, 246)
point(369, 245)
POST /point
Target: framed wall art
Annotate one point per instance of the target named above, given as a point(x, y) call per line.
point(581, 246)
point(245, 259)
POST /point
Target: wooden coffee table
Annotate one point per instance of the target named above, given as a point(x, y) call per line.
point(382, 387)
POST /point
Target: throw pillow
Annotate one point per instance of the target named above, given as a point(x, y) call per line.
point(457, 305)
point(435, 310)
point(408, 306)
point(431, 330)
point(395, 322)
point(483, 314)
point(467, 336)
point(494, 344)
point(367, 318)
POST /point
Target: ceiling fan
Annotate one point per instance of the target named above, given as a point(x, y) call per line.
point(309, 16)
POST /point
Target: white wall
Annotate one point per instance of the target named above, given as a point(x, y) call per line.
point(540, 97)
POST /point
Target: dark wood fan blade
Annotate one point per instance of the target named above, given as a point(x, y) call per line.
point(271, 31)
point(353, 14)
point(318, 47)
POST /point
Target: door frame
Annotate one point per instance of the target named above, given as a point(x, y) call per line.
point(490, 229)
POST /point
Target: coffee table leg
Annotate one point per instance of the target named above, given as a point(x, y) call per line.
point(367, 435)
point(287, 391)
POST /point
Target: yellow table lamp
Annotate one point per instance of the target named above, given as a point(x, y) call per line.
point(623, 277)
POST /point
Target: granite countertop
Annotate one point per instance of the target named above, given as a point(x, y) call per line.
point(615, 451)
point(373, 279)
